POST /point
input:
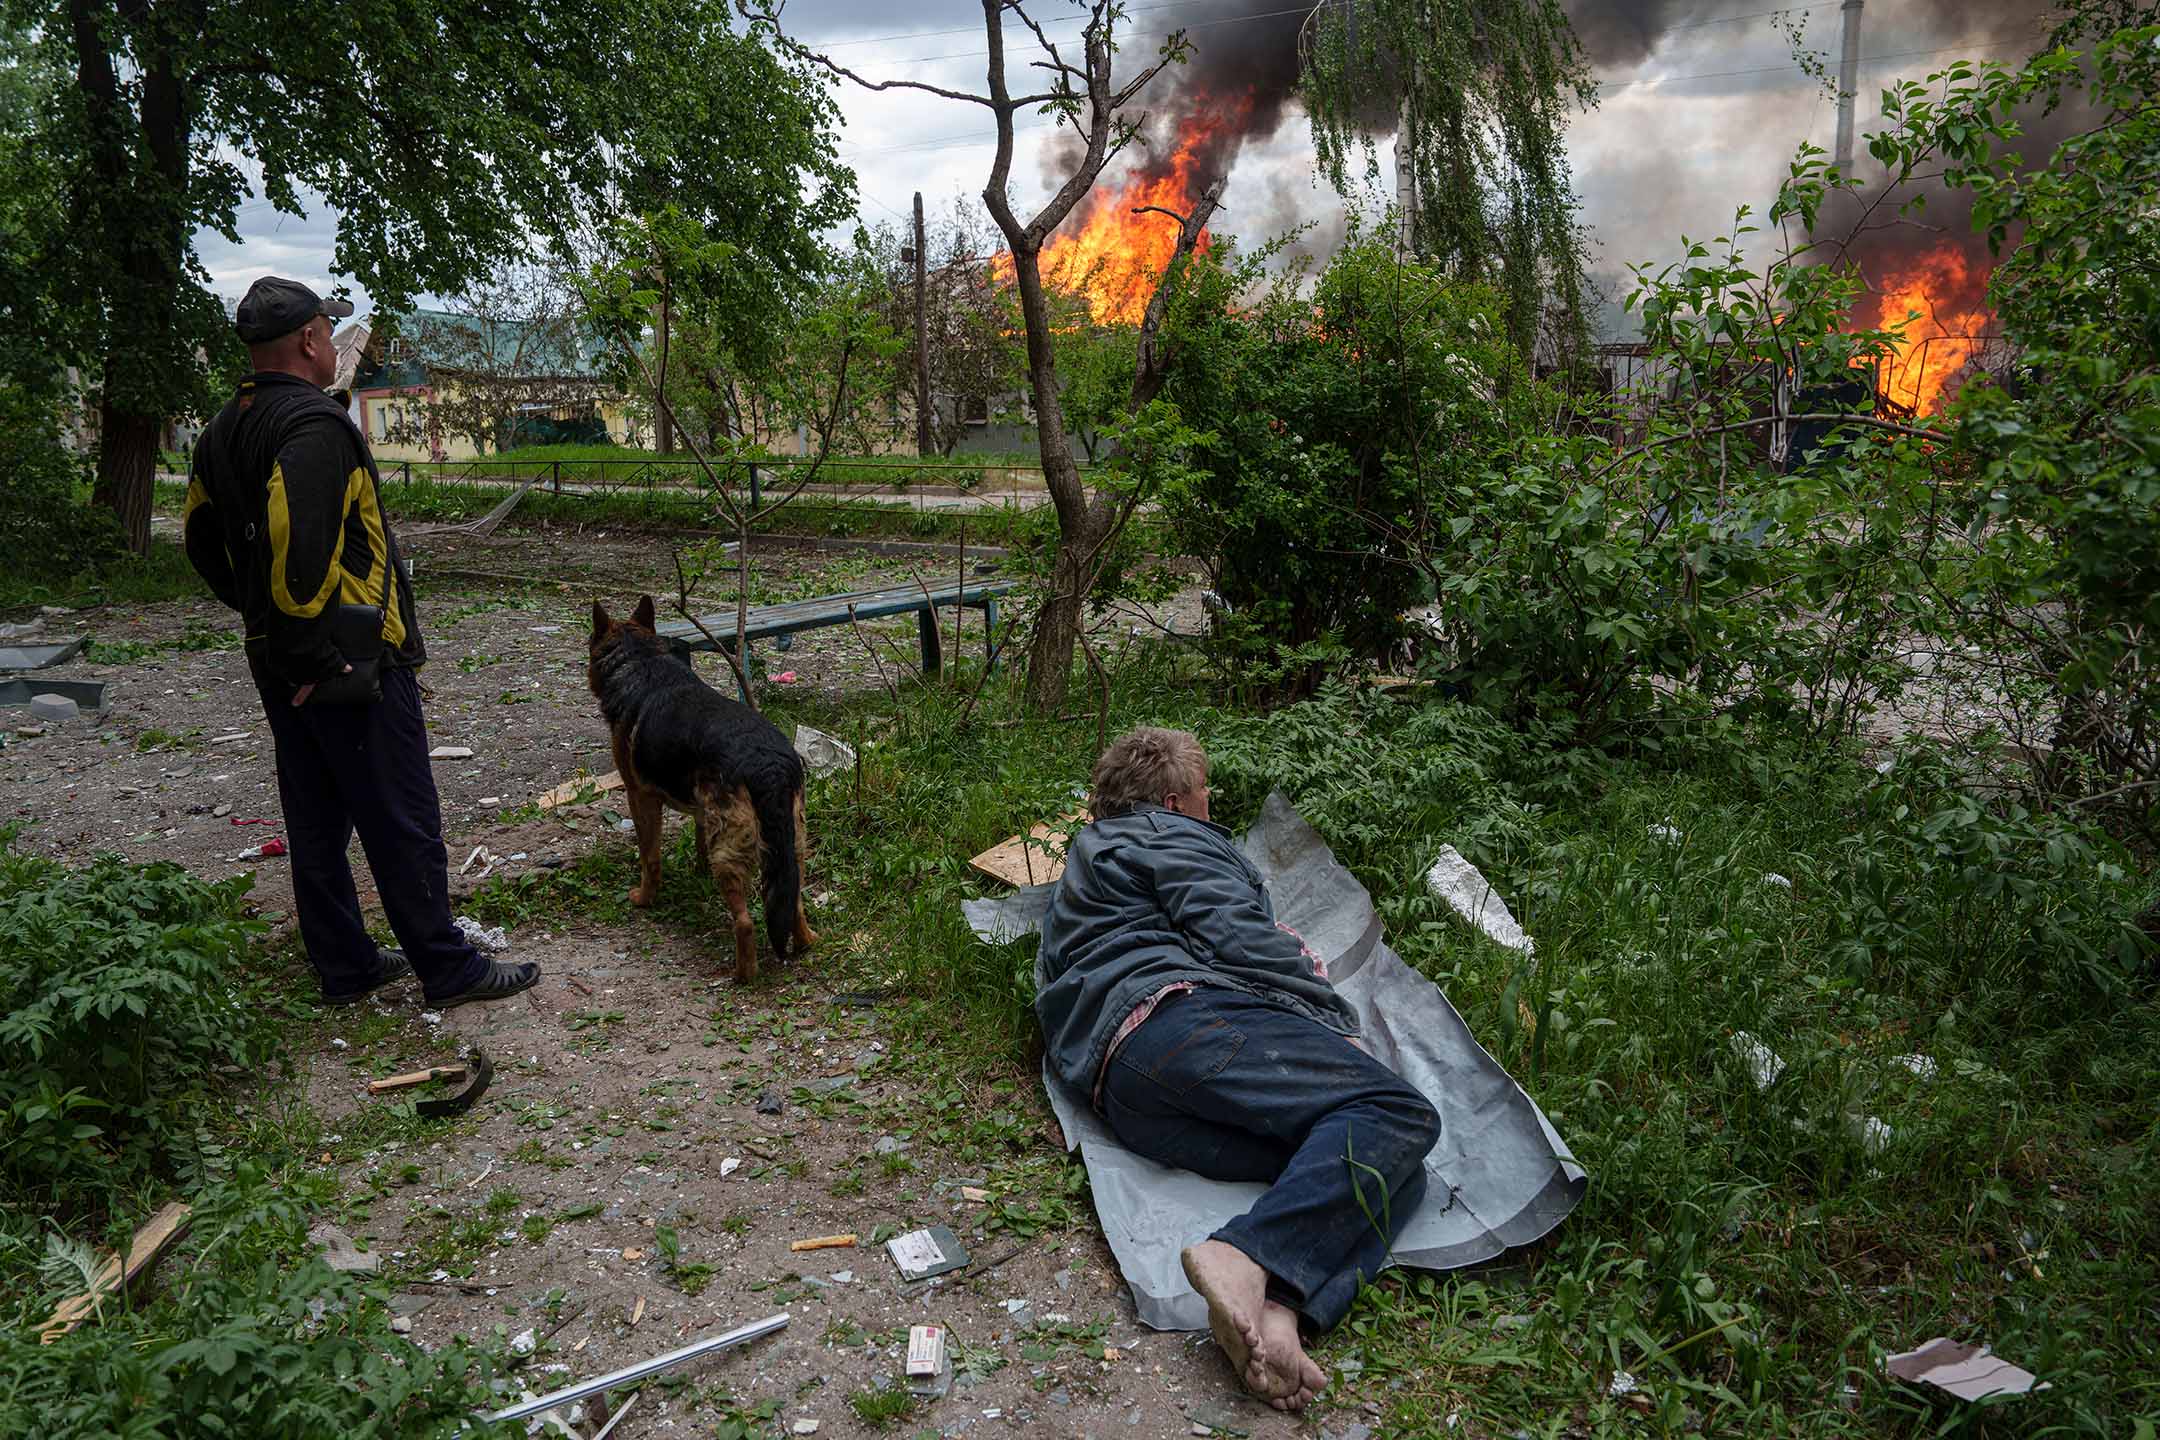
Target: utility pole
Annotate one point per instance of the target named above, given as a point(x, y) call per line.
point(1406, 215)
point(1848, 83)
point(922, 343)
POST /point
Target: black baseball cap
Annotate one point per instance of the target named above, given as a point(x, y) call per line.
point(275, 307)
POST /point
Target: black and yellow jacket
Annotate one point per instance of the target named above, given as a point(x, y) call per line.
point(285, 521)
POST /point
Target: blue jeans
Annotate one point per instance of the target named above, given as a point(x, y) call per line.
point(342, 768)
point(1234, 1088)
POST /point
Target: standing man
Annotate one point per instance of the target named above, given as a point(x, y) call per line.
point(1209, 1038)
point(285, 521)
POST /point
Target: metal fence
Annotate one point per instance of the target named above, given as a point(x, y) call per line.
point(864, 489)
point(897, 477)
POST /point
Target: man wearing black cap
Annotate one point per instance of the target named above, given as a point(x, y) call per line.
point(285, 521)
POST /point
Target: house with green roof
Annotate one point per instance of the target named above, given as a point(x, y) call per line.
point(441, 385)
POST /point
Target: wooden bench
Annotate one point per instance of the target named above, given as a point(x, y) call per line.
point(789, 617)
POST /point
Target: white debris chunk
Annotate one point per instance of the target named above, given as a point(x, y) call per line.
point(1920, 1065)
point(1458, 882)
point(1762, 1062)
point(1771, 877)
point(1872, 1134)
point(1670, 834)
point(481, 936)
point(821, 752)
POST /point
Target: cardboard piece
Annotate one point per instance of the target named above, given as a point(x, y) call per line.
point(1970, 1372)
point(158, 1232)
point(1018, 863)
point(569, 790)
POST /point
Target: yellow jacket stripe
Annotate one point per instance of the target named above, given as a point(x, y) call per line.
point(348, 588)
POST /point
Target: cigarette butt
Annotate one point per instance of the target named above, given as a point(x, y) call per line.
point(825, 1242)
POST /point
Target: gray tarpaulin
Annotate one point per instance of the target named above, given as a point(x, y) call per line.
point(1501, 1175)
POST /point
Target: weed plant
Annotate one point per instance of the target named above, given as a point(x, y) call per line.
point(129, 1005)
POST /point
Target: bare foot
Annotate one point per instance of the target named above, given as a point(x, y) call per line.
point(1235, 1289)
point(1286, 1353)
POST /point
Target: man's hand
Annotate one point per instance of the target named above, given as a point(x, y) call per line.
point(300, 696)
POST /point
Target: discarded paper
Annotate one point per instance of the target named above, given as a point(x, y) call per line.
point(821, 752)
point(1970, 1372)
point(920, 1254)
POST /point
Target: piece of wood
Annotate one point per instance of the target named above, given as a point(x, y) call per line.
point(415, 1077)
point(1017, 862)
point(158, 1232)
point(569, 790)
point(825, 1242)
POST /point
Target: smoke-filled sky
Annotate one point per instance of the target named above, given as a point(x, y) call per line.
point(1701, 105)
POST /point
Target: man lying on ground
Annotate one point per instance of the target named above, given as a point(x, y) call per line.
point(1209, 1038)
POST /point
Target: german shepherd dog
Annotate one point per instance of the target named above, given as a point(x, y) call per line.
point(680, 743)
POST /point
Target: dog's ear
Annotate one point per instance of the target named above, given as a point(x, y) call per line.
point(642, 617)
point(600, 621)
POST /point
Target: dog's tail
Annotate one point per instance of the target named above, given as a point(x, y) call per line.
point(774, 800)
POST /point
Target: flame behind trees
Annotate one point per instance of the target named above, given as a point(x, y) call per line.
point(1935, 304)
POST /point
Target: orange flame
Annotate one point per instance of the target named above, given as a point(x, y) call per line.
point(1934, 306)
point(1117, 257)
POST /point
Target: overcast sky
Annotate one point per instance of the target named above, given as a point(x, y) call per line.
point(1706, 120)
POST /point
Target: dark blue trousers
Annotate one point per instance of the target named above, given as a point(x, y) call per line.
point(1218, 1082)
point(342, 768)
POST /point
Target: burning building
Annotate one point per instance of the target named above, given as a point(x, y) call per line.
point(1926, 274)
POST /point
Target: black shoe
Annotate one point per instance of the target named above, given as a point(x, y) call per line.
point(391, 966)
point(502, 980)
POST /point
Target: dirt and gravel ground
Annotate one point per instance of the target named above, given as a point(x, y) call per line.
point(625, 1113)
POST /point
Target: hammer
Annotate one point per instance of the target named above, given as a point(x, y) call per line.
point(476, 1066)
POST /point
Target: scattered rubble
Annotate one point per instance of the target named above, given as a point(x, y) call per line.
point(340, 1252)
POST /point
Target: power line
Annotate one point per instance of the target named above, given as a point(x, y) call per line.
point(977, 137)
point(1864, 60)
point(1190, 4)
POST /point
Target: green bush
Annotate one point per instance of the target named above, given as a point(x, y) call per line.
point(1336, 430)
point(121, 994)
point(236, 1340)
point(46, 527)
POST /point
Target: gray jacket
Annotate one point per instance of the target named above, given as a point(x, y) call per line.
point(1150, 898)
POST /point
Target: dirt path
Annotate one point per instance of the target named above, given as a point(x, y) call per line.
point(183, 735)
point(625, 1085)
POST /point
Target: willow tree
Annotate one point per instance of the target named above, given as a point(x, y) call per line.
point(1477, 94)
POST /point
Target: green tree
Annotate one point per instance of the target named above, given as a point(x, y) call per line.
point(1082, 82)
point(448, 133)
point(1477, 96)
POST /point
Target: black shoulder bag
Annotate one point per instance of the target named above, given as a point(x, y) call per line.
point(357, 632)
